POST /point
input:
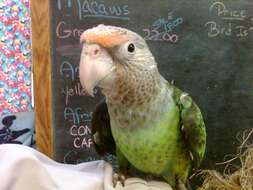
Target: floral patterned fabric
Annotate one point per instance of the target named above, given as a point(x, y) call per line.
point(15, 56)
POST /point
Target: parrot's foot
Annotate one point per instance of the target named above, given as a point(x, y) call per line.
point(149, 177)
point(118, 177)
point(180, 185)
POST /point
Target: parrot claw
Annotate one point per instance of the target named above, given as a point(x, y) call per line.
point(191, 155)
point(149, 177)
point(180, 185)
point(117, 177)
point(97, 138)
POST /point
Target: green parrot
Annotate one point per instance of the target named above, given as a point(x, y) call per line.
point(156, 127)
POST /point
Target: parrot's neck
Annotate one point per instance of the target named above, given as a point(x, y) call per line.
point(136, 94)
point(134, 86)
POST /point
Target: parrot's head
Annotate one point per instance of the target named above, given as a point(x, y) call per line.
point(114, 59)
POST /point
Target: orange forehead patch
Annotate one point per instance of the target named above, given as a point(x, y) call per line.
point(106, 36)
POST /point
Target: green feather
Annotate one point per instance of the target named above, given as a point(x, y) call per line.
point(163, 148)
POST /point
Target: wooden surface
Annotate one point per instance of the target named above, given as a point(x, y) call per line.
point(41, 60)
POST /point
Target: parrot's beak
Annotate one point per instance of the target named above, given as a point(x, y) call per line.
point(96, 68)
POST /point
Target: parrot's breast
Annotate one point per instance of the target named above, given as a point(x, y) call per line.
point(148, 138)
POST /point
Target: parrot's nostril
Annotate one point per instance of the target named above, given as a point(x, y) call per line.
point(93, 50)
point(96, 51)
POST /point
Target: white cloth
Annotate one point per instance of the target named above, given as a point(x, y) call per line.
point(23, 168)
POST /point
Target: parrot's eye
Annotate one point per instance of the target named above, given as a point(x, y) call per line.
point(131, 48)
point(127, 50)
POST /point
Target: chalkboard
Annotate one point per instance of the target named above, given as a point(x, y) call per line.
point(204, 46)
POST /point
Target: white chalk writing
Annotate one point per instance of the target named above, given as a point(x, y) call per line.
point(63, 31)
point(92, 8)
point(76, 115)
point(230, 22)
point(81, 134)
point(163, 29)
point(68, 70)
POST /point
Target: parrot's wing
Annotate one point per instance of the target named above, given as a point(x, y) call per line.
point(192, 126)
point(101, 130)
point(102, 136)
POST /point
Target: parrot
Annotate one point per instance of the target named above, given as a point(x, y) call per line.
point(145, 120)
